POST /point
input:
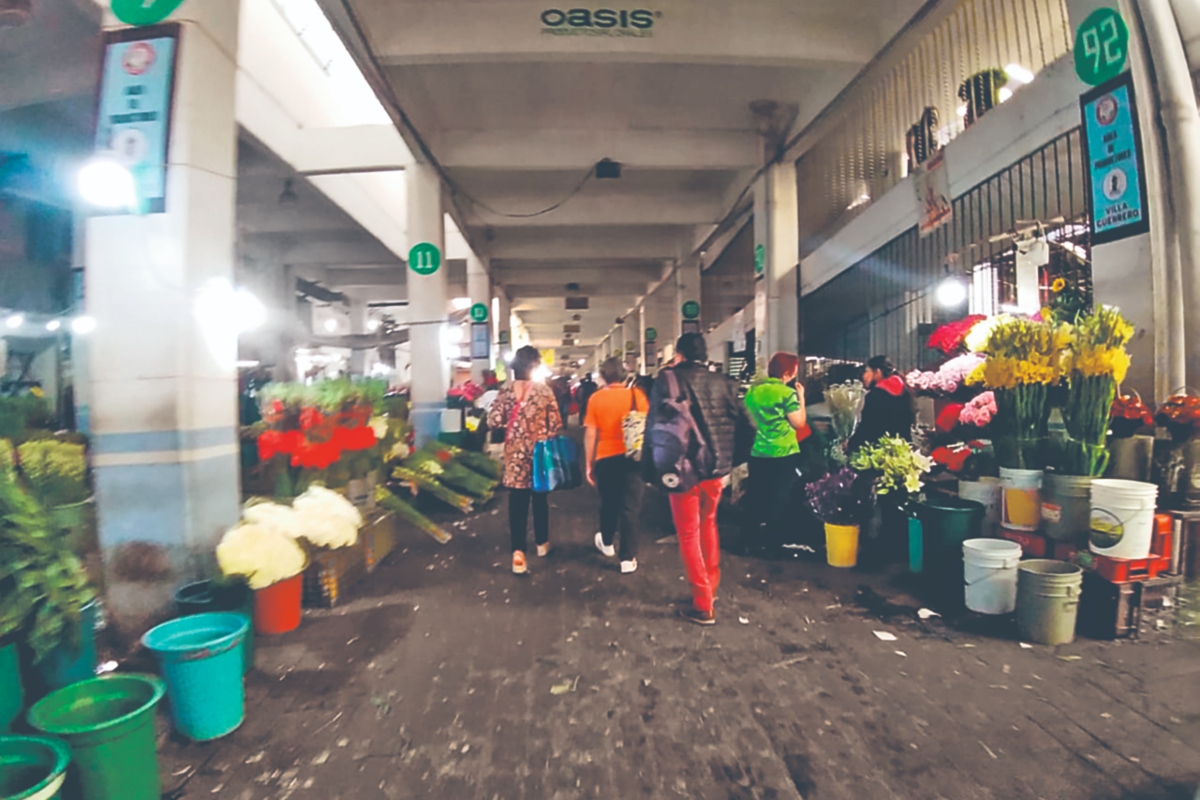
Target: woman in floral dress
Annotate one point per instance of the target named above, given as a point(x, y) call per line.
point(528, 413)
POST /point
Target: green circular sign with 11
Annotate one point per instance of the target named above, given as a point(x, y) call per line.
point(424, 258)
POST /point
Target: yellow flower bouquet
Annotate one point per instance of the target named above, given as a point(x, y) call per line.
point(1026, 358)
point(1096, 364)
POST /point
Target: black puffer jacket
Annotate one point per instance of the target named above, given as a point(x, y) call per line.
point(722, 417)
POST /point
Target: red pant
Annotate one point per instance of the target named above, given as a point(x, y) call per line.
point(695, 513)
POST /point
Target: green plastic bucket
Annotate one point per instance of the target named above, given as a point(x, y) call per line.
point(1048, 601)
point(201, 657)
point(947, 522)
point(73, 661)
point(207, 597)
point(108, 723)
point(32, 768)
point(12, 698)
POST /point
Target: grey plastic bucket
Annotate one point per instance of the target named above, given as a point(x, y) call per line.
point(1066, 507)
point(1048, 601)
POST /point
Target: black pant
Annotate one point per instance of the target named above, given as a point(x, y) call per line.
point(620, 486)
point(772, 501)
point(518, 517)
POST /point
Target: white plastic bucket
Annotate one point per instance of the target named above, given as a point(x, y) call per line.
point(1022, 506)
point(1122, 518)
point(985, 491)
point(990, 575)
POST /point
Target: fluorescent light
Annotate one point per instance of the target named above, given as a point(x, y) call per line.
point(961, 110)
point(331, 325)
point(951, 292)
point(83, 325)
point(104, 183)
point(246, 364)
point(1005, 94)
point(373, 324)
point(15, 321)
point(460, 303)
point(1018, 73)
point(53, 325)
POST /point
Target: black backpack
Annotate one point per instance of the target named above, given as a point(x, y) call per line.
point(680, 455)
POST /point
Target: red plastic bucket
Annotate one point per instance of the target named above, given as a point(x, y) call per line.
point(277, 607)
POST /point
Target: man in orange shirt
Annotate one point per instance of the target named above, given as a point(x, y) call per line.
point(609, 468)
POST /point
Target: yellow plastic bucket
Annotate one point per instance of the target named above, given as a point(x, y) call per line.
point(841, 545)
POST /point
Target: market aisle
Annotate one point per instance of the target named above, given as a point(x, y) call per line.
point(448, 677)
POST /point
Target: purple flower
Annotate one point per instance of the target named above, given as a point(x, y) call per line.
point(839, 498)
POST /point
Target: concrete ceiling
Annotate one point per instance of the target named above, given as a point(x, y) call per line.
point(516, 113)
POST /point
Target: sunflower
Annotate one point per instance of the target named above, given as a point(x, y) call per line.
point(1058, 285)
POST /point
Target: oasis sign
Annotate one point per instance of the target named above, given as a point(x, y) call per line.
point(599, 22)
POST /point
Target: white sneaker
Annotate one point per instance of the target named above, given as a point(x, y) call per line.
point(607, 550)
point(629, 566)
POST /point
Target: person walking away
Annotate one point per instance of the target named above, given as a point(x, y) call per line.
point(583, 393)
point(609, 468)
point(718, 422)
point(778, 412)
point(528, 412)
point(887, 408)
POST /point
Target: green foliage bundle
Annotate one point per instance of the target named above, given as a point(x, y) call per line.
point(43, 586)
point(56, 472)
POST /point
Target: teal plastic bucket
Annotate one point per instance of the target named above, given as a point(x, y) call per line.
point(202, 662)
point(32, 768)
point(947, 522)
point(12, 697)
point(206, 597)
point(73, 661)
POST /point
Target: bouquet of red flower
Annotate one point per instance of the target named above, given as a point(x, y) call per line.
point(951, 337)
point(1180, 415)
point(1129, 414)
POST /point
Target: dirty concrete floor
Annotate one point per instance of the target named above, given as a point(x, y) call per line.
point(445, 676)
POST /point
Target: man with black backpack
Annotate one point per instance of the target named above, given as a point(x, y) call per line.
point(695, 430)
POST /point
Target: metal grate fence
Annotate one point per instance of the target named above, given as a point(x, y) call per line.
point(885, 303)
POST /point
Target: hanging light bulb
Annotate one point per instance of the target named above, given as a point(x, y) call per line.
point(952, 292)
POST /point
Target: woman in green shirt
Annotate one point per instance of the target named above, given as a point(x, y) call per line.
point(777, 409)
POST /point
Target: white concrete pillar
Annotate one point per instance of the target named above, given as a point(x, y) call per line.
point(643, 361)
point(479, 289)
point(358, 326)
point(501, 325)
point(428, 297)
point(163, 408)
point(776, 256)
point(687, 290)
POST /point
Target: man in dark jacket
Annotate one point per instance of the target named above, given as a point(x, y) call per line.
point(583, 392)
point(726, 429)
point(888, 407)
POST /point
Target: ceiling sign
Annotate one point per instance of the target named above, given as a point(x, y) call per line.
point(1112, 145)
point(133, 122)
point(577, 303)
point(1101, 47)
point(144, 12)
point(599, 22)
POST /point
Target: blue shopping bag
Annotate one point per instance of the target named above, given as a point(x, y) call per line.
point(556, 465)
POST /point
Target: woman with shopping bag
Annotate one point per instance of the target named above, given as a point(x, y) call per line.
point(528, 413)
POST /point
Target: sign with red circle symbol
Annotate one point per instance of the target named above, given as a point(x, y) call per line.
point(139, 58)
point(1106, 109)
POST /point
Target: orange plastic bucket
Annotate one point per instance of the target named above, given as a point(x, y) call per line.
point(277, 607)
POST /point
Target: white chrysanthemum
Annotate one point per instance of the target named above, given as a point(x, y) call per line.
point(326, 518)
point(977, 338)
point(261, 554)
point(280, 518)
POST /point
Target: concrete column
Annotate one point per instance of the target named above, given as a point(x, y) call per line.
point(687, 289)
point(479, 289)
point(163, 408)
point(428, 298)
point(777, 254)
point(501, 325)
point(358, 325)
point(641, 342)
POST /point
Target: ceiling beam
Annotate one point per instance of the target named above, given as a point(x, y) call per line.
point(634, 208)
point(568, 243)
point(579, 149)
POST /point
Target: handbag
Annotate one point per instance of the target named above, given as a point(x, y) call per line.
point(556, 465)
point(633, 426)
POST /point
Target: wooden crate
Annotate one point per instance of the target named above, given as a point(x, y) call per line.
point(333, 572)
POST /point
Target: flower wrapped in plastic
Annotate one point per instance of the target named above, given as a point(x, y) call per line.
point(1097, 363)
point(327, 519)
point(261, 554)
point(948, 378)
point(279, 518)
point(979, 411)
point(952, 336)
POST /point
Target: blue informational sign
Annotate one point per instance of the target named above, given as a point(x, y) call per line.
point(1116, 170)
point(133, 121)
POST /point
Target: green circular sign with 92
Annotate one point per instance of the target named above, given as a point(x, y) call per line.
point(1101, 47)
point(424, 258)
